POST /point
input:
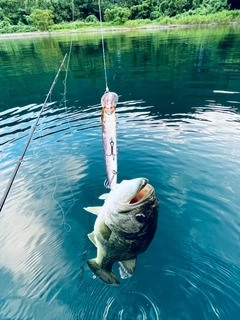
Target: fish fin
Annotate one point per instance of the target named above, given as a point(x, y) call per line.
point(128, 265)
point(103, 196)
point(105, 275)
point(94, 210)
point(91, 237)
point(105, 231)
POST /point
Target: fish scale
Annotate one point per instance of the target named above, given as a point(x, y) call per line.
point(119, 234)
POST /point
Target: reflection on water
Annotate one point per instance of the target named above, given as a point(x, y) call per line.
point(178, 125)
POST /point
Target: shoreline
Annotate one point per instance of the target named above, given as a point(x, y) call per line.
point(39, 34)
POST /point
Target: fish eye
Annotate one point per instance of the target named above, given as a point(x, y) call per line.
point(140, 217)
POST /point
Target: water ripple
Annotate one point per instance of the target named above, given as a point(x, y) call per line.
point(98, 301)
point(189, 152)
point(132, 306)
point(208, 289)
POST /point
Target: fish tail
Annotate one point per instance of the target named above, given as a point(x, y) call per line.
point(105, 275)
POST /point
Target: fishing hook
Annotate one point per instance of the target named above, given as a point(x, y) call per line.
point(107, 183)
point(112, 153)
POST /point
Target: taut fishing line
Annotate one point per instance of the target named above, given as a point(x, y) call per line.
point(103, 48)
point(108, 101)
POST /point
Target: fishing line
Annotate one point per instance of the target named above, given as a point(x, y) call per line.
point(4, 197)
point(64, 100)
point(51, 163)
point(103, 48)
point(108, 102)
point(67, 226)
point(64, 103)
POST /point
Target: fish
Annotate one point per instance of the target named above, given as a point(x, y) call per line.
point(109, 140)
point(124, 228)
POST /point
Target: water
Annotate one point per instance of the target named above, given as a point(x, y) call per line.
point(178, 126)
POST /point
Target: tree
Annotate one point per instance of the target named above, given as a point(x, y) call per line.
point(91, 19)
point(13, 10)
point(173, 7)
point(117, 15)
point(141, 11)
point(42, 19)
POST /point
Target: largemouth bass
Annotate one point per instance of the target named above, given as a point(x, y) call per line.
point(109, 119)
point(124, 228)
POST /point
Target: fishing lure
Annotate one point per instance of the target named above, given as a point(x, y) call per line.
point(109, 139)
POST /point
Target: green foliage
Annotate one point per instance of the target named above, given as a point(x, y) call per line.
point(199, 7)
point(92, 19)
point(173, 7)
point(42, 14)
point(137, 23)
point(141, 11)
point(221, 17)
point(68, 26)
point(4, 23)
point(17, 28)
point(214, 6)
point(134, 23)
point(109, 15)
point(13, 10)
point(207, 7)
point(154, 15)
point(117, 15)
point(62, 10)
point(42, 19)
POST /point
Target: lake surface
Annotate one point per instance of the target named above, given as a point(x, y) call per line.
point(178, 126)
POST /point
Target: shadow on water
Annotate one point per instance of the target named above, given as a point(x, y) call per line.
point(178, 125)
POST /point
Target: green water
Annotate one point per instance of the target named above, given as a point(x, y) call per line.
point(178, 126)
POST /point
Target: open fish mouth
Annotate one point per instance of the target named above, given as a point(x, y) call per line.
point(146, 190)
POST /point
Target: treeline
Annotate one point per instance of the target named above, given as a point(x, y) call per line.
point(40, 14)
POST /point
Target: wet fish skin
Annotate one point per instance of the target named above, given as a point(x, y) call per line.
point(123, 230)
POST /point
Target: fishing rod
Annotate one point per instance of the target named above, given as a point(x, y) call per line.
point(12, 178)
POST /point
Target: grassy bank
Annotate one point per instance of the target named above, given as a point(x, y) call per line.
point(188, 18)
point(223, 17)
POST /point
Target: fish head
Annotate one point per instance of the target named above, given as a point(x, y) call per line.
point(109, 101)
point(130, 206)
